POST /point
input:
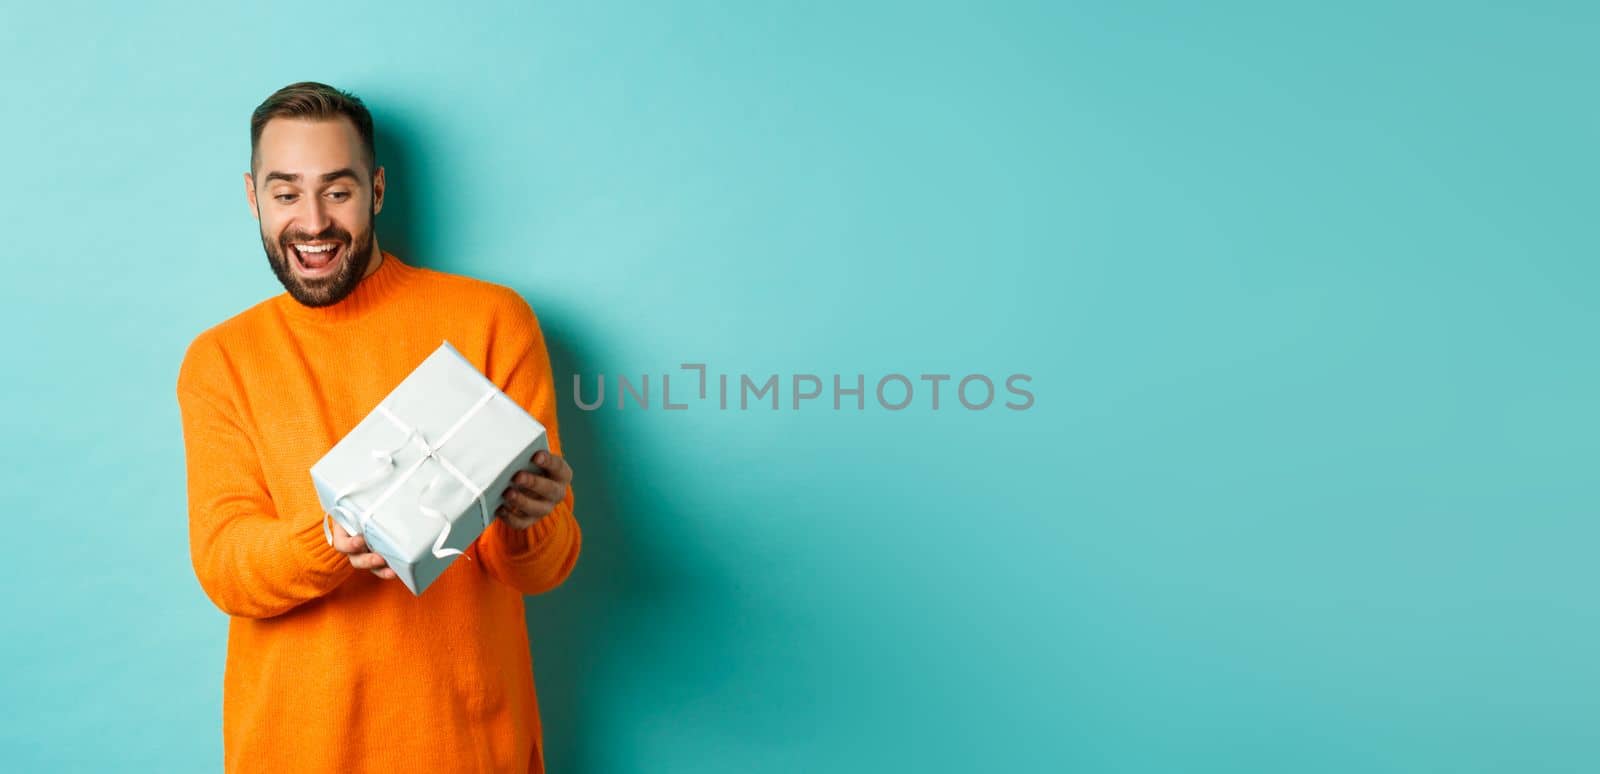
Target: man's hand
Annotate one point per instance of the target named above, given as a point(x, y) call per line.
point(356, 549)
point(534, 493)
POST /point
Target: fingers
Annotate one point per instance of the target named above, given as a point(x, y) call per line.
point(532, 495)
point(517, 519)
point(375, 562)
point(344, 543)
point(369, 561)
point(538, 486)
point(356, 548)
point(554, 466)
point(548, 480)
point(522, 506)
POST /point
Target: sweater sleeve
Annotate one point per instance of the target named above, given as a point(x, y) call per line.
point(540, 557)
point(252, 561)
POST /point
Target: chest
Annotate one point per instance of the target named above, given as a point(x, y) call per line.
point(297, 405)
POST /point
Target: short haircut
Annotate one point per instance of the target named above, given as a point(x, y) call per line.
point(317, 101)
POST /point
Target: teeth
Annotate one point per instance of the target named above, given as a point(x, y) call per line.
point(315, 248)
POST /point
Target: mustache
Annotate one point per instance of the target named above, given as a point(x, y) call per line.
point(331, 235)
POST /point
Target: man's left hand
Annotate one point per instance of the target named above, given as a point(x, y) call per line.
point(534, 493)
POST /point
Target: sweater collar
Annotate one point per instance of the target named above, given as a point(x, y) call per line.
point(373, 292)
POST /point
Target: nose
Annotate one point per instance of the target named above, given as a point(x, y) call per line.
point(313, 216)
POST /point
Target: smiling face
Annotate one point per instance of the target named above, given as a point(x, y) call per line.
point(316, 201)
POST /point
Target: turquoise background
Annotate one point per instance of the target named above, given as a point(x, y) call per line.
point(1308, 295)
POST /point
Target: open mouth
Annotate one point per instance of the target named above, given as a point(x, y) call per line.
point(317, 259)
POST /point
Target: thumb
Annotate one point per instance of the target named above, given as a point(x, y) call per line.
point(344, 543)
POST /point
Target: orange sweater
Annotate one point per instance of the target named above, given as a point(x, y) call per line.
point(329, 668)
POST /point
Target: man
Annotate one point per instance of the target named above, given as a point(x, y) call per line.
point(332, 664)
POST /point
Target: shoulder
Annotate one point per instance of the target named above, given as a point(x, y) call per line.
point(503, 321)
point(207, 354)
point(502, 304)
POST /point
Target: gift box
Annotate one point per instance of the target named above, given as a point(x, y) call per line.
point(421, 475)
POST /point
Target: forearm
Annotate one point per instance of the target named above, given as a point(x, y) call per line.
point(257, 565)
point(536, 559)
point(539, 558)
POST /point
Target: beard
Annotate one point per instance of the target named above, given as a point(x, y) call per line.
point(355, 253)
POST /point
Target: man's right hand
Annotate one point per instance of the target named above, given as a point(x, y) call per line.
point(356, 549)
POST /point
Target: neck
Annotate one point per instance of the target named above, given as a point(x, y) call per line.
point(384, 278)
point(373, 260)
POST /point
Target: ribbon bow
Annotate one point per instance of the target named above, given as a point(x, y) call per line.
point(363, 518)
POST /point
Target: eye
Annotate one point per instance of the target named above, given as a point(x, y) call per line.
point(340, 196)
point(285, 198)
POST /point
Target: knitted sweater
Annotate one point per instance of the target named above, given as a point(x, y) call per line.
point(330, 668)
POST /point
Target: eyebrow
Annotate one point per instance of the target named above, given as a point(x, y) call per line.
point(334, 175)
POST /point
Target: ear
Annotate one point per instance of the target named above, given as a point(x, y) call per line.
point(250, 195)
point(378, 186)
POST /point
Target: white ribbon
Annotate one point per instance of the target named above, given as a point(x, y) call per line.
point(438, 543)
point(357, 516)
point(364, 518)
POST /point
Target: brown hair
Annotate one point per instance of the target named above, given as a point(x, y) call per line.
point(319, 101)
